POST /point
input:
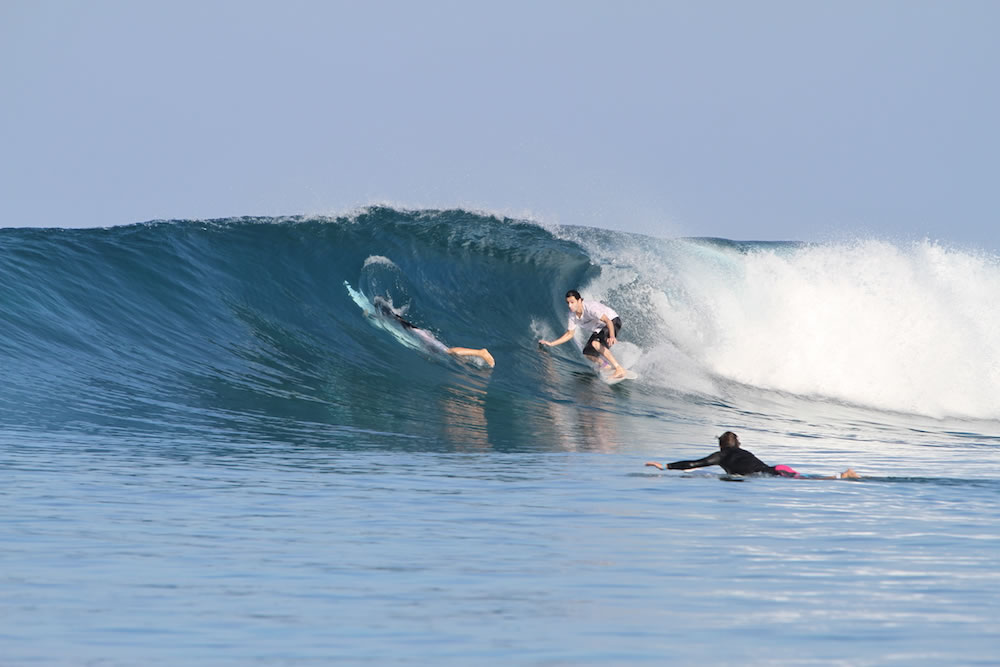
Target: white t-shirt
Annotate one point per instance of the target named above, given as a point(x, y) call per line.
point(590, 321)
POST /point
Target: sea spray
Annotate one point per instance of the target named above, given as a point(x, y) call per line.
point(897, 327)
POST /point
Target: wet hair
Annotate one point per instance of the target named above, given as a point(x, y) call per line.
point(573, 293)
point(728, 440)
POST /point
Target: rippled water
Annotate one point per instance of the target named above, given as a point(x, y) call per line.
point(308, 555)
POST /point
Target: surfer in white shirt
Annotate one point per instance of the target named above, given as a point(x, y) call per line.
point(598, 320)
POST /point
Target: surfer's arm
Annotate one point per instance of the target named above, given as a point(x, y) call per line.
point(710, 460)
point(611, 329)
point(558, 341)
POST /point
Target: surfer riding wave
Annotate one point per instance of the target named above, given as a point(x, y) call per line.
point(603, 325)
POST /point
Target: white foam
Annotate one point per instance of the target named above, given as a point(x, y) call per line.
point(910, 328)
point(379, 259)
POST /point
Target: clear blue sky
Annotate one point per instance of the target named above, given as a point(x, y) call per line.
point(746, 120)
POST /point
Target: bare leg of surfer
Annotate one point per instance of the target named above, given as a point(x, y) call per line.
point(483, 354)
point(619, 371)
point(847, 474)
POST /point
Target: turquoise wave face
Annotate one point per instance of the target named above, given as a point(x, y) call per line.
point(204, 325)
point(245, 326)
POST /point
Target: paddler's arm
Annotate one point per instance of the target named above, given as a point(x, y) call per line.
point(558, 341)
point(710, 460)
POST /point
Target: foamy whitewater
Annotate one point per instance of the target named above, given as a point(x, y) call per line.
point(217, 451)
point(906, 329)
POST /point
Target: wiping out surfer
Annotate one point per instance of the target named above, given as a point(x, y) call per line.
point(600, 321)
point(736, 461)
point(428, 338)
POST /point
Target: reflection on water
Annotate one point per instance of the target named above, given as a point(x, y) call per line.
point(463, 413)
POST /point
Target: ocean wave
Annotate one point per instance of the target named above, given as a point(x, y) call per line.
point(187, 323)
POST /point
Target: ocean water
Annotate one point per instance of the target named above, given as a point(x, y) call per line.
point(213, 455)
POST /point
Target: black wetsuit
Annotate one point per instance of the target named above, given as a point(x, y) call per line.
point(733, 460)
point(389, 312)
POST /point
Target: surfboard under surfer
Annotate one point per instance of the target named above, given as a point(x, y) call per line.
point(428, 338)
point(600, 321)
point(736, 461)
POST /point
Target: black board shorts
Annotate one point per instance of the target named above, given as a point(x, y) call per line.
point(602, 336)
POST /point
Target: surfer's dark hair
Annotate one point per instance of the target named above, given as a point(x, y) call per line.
point(728, 440)
point(573, 293)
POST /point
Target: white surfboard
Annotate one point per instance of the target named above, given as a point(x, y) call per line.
point(627, 354)
point(381, 321)
point(607, 376)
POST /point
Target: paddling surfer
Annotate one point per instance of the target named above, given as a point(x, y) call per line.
point(600, 321)
point(736, 461)
point(428, 338)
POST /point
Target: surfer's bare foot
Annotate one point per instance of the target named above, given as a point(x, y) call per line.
point(849, 474)
point(482, 353)
point(619, 372)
